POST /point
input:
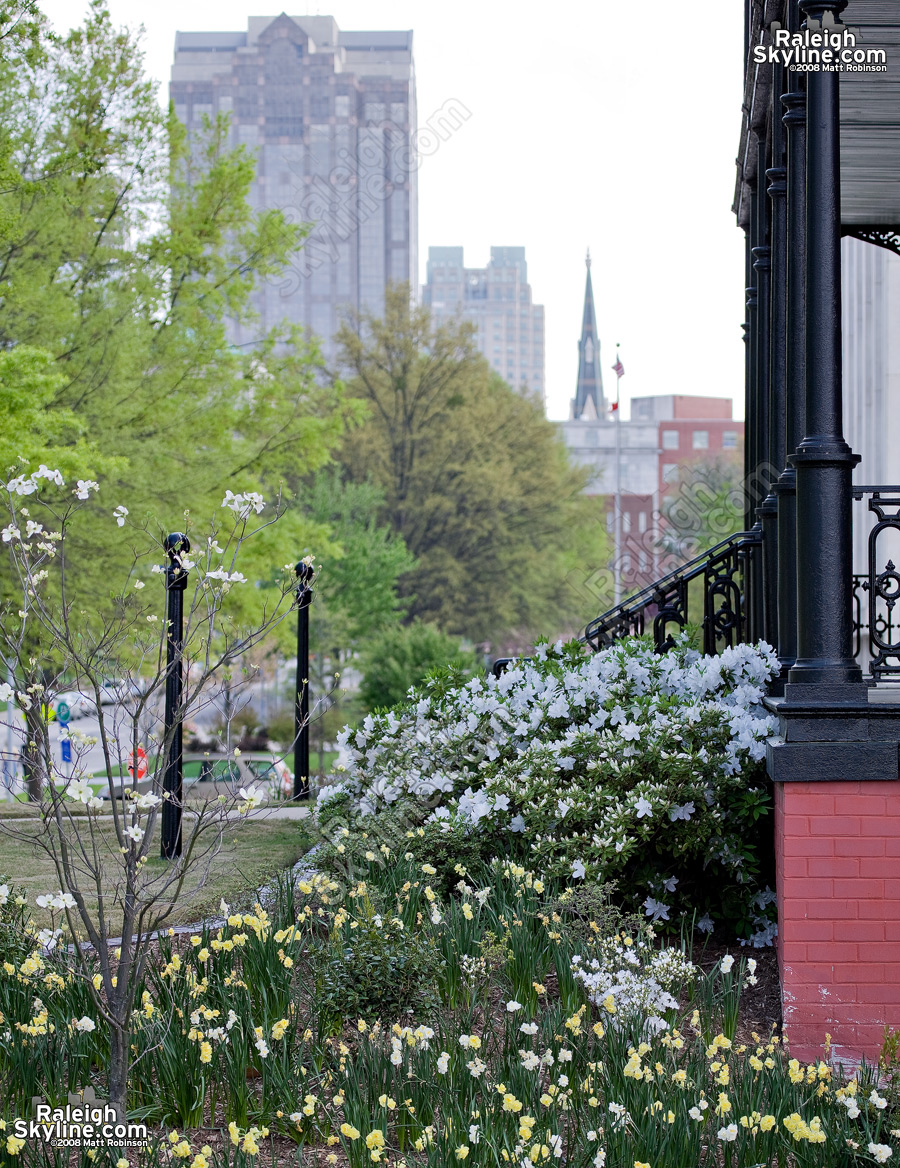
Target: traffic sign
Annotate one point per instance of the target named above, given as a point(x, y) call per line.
point(66, 746)
point(63, 713)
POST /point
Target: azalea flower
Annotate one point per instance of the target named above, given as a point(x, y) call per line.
point(656, 910)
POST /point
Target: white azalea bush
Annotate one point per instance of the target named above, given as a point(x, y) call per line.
point(625, 765)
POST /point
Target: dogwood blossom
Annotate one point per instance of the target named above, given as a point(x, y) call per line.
point(243, 504)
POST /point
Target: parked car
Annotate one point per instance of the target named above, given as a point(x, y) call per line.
point(112, 693)
point(223, 773)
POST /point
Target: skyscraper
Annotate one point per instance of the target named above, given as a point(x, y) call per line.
point(498, 301)
point(331, 115)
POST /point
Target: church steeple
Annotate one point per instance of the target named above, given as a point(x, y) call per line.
point(589, 402)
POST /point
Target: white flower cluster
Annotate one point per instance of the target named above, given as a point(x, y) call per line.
point(630, 977)
point(591, 758)
point(242, 505)
point(28, 484)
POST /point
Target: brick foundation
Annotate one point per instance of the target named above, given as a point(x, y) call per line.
point(838, 878)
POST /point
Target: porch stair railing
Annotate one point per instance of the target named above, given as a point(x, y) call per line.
point(725, 604)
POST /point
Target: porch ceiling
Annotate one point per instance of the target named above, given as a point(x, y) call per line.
point(870, 116)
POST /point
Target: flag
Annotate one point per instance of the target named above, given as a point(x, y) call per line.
point(618, 368)
point(614, 406)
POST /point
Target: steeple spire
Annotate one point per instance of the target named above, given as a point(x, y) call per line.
point(589, 402)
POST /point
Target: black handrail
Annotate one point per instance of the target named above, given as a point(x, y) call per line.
point(726, 613)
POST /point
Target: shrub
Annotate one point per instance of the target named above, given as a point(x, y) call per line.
point(625, 765)
point(377, 969)
point(402, 657)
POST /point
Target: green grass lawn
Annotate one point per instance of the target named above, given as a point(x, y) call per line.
point(250, 854)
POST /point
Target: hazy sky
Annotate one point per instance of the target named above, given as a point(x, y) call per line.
point(606, 125)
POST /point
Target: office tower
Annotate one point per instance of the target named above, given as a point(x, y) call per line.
point(331, 116)
point(497, 300)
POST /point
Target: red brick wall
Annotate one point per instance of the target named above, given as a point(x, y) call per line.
point(838, 875)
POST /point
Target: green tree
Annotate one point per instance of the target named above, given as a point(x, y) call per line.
point(124, 251)
point(357, 595)
point(474, 477)
point(357, 589)
point(404, 656)
point(706, 508)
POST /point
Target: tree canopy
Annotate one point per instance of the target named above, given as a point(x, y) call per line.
point(475, 479)
point(124, 251)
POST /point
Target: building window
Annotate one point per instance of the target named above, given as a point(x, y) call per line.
point(342, 105)
point(610, 520)
point(626, 521)
point(729, 439)
point(642, 522)
point(670, 472)
point(701, 439)
point(670, 439)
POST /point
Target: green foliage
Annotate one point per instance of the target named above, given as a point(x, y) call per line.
point(706, 508)
point(378, 970)
point(404, 656)
point(357, 589)
point(13, 915)
point(32, 433)
point(125, 251)
point(475, 479)
point(452, 848)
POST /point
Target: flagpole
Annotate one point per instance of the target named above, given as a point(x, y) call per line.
point(617, 564)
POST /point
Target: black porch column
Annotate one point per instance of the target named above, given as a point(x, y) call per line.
point(750, 375)
point(823, 461)
point(795, 358)
point(771, 508)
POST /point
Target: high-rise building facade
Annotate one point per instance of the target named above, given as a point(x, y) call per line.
point(331, 116)
point(498, 301)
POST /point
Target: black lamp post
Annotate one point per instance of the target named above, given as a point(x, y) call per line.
point(176, 546)
point(824, 462)
point(304, 594)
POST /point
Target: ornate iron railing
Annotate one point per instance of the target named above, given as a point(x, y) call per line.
point(730, 572)
point(666, 604)
point(876, 619)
